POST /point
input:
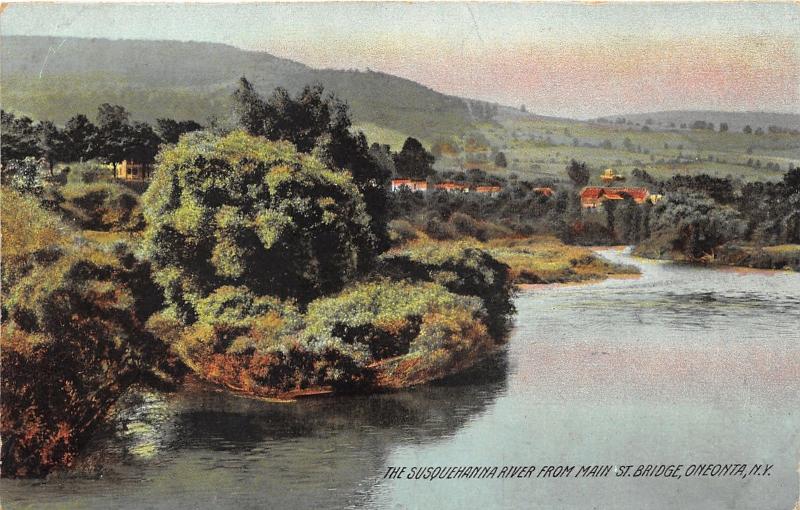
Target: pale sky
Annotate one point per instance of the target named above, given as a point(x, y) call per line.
point(573, 60)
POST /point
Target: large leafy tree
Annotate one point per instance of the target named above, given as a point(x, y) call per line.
point(579, 173)
point(20, 138)
point(53, 145)
point(171, 130)
point(118, 138)
point(81, 138)
point(314, 122)
point(113, 133)
point(413, 160)
point(243, 211)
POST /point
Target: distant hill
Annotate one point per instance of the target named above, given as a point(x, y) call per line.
point(736, 120)
point(55, 78)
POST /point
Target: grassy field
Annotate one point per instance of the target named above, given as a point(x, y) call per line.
point(538, 147)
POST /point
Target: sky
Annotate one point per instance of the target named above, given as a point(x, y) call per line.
point(565, 59)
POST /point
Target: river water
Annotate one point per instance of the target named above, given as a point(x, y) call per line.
point(684, 365)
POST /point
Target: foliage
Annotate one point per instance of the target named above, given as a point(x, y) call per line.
point(239, 210)
point(413, 160)
point(462, 268)
point(397, 323)
point(171, 130)
point(81, 136)
point(694, 225)
point(25, 176)
point(318, 124)
point(20, 138)
point(578, 173)
point(30, 236)
point(102, 206)
point(75, 313)
point(500, 160)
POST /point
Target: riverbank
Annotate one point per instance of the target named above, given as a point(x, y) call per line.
point(541, 259)
point(779, 257)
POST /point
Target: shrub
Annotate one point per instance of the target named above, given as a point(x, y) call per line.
point(384, 325)
point(70, 312)
point(102, 206)
point(401, 232)
point(462, 269)
point(241, 211)
point(30, 236)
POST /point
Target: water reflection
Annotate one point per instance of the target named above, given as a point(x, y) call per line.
point(179, 450)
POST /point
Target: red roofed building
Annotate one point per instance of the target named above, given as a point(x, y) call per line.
point(548, 192)
point(452, 186)
point(411, 184)
point(490, 190)
point(592, 196)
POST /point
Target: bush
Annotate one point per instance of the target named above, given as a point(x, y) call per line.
point(401, 333)
point(401, 232)
point(462, 269)
point(72, 314)
point(30, 236)
point(102, 206)
point(241, 211)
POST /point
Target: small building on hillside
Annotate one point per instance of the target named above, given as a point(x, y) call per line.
point(452, 186)
point(489, 190)
point(132, 171)
point(593, 196)
point(548, 192)
point(412, 184)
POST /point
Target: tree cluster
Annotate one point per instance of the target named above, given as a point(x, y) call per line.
point(112, 138)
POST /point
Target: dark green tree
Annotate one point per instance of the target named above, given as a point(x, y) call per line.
point(250, 109)
point(413, 160)
point(53, 144)
point(81, 138)
point(500, 160)
point(171, 130)
point(578, 173)
point(114, 134)
point(20, 138)
point(320, 124)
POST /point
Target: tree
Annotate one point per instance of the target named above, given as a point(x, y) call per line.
point(142, 143)
point(723, 127)
point(113, 133)
point(413, 160)
point(578, 173)
point(249, 108)
point(243, 211)
point(500, 160)
point(171, 130)
point(81, 138)
point(20, 138)
point(52, 143)
point(747, 129)
point(319, 124)
point(382, 155)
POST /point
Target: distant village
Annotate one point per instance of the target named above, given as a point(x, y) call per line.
point(591, 196)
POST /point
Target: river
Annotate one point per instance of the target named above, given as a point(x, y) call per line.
point(684, 365)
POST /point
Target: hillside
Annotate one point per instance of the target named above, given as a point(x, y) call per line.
point(55, 78)
point(736, 120)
